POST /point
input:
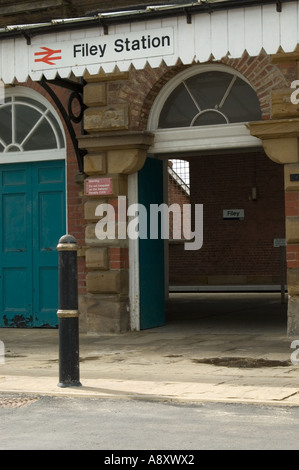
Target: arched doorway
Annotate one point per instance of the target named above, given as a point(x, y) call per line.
point(32, 210)
point(201, 116)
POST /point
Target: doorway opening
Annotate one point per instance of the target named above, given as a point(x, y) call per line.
point(241, 264)
point(200, 118)
point(242, 194)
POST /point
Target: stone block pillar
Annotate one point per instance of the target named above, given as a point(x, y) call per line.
point(113, 152)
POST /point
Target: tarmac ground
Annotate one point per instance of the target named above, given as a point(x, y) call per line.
point(225, 347)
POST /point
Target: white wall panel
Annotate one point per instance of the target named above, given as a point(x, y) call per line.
point(138, 63)
point(253, 32)
point(21, 60)
point(9, 67)
point(289, 26)
point(172, 23)
point(202, 27)
point(185, 41)
point(65, 72)
point(271, 29)
point(232, 31)
point(236, 32)
point(219, 46)
point(36, 76)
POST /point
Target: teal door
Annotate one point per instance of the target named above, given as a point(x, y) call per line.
point(151, 251)
point(33, 219)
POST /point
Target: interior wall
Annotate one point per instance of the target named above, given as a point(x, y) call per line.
point(234, 252)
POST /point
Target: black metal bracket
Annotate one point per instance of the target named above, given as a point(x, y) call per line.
point(27, 35)
point(105, 28)
point(67, 114)
point(188, 16)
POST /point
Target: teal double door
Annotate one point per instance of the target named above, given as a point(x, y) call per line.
point(151, 250)
point(33, 219)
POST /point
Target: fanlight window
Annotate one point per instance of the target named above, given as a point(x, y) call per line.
point(210, 98)
point(27, 125)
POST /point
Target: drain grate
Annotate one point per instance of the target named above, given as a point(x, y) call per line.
point(248, 362)
point(16, 402)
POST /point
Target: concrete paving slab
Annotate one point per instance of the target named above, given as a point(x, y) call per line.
point(177, 362)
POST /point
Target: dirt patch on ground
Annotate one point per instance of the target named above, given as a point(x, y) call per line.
point(244, 362)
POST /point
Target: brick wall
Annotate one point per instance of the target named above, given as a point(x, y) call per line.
point(292, 213)
point(234, 251)
point(142, 86)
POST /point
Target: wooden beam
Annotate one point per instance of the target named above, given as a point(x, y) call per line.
point(18, 7)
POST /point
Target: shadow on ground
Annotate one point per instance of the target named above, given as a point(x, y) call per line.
point(250, 313)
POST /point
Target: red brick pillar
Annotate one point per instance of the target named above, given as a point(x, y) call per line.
point(292, 239)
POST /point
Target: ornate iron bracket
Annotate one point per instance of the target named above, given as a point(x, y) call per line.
point(68, 116)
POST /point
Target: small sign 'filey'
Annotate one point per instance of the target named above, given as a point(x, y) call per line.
point(233, 214)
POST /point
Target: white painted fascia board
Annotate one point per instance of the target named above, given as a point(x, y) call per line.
point(228, 32)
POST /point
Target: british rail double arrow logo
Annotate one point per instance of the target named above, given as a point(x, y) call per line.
point(48, 55)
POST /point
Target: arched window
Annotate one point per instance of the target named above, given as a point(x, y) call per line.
point(197, 101)
point(28, 126)
point(210, 98)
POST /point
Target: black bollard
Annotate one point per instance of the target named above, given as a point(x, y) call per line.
point(68, 313)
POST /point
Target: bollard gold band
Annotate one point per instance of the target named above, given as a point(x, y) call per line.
point(67, 247)
point(67, 313)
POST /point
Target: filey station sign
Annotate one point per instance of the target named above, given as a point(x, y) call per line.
point(97, 50)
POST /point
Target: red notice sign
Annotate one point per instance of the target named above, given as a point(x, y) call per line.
point(98, 186)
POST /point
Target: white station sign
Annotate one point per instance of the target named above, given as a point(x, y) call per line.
point(102, 49)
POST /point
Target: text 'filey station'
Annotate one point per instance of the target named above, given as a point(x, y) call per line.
point(143, 43)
